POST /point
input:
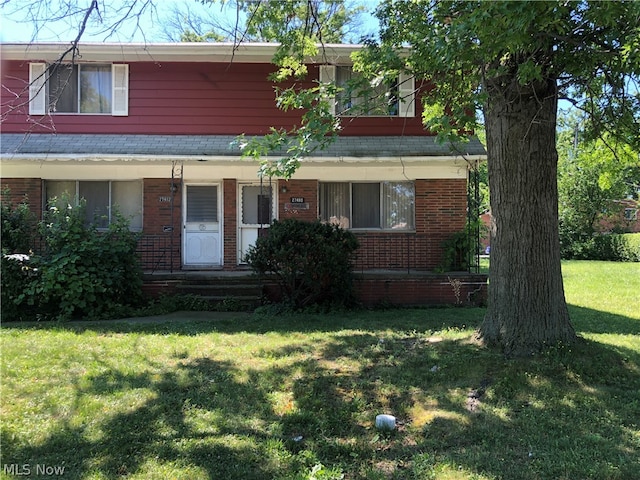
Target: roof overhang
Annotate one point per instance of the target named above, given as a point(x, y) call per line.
point(21, 158)
point(167, 52)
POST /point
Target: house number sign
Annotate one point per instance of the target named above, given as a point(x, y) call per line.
point(296, 203)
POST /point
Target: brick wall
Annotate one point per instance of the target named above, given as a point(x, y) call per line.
point(230, 219)
point(411, 290)
point(162, 211)
point(19, 187)
point(422, 289)
point(441, 209)
point(299, 189)
point(441, 206)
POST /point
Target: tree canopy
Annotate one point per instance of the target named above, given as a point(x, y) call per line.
point(329, 21)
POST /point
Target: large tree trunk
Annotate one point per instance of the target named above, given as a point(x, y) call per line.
point(527, 308)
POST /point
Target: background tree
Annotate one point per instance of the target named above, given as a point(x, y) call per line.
point(331, 21)
point(593, 176)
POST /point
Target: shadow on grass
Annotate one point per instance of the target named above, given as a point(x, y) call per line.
point(594, 321)
point(462, 409)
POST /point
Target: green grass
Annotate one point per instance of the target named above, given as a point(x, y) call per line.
point(256, 397)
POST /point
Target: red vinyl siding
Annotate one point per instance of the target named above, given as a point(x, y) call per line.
point(185, 98)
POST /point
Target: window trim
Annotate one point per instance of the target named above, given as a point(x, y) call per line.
point(38, 94)
point(406, 92)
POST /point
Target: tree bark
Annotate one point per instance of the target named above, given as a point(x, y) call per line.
point(527, 308)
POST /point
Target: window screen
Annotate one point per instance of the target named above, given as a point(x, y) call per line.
point(202, 203)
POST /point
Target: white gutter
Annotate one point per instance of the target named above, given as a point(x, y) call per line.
point(167, 52)
point(20, 158)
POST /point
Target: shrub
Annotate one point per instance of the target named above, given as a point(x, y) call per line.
point(16, 270)
point(458, 249)
point(18, 276)
point(311, 262)
point(18, 225)
point(86, 272)
point(615, 247)
point(632, 247)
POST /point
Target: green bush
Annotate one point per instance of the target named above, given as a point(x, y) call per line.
point(17, 272)
point(632, 247)
point(81, 272)
point(624, 247)
point(18, 225)
point(311, 262)
point(617, 247)
point(458, 249)
point(85, 272)
point(18, 276)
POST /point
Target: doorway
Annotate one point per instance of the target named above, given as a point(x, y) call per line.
point(256, 212)
point(202, 245)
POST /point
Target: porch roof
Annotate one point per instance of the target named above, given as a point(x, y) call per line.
point(207, 146)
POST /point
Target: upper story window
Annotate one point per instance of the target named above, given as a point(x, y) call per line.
point(630, 214)
point(382, 99)
point(78, 88)
point(378, 99)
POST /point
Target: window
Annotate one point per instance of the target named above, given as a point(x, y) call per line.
point(380, 205)
point(630, 214)
point(379, 99)
point(102, 198)
point(202, 203)
point(78, 88)
point(257, 204)
point(356, 98)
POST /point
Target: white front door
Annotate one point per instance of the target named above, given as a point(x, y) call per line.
point(257, 210)
point(202, 245)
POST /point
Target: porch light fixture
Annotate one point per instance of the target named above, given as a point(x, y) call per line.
point(283, 189)
point(173, 187)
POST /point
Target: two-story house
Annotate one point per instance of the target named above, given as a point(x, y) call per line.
point(151, 129)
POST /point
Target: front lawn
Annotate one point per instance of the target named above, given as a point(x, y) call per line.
point(233, 396)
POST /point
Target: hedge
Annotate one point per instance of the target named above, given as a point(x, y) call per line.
point(617, 247)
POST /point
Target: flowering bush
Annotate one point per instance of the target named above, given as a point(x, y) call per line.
point(81, 271)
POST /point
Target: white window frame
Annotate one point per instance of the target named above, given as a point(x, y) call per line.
point(39, 97)
point(406, 92)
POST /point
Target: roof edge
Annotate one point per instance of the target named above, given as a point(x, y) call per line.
point(175, 52)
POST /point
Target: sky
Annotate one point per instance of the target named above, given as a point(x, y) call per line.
point(16, 27)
